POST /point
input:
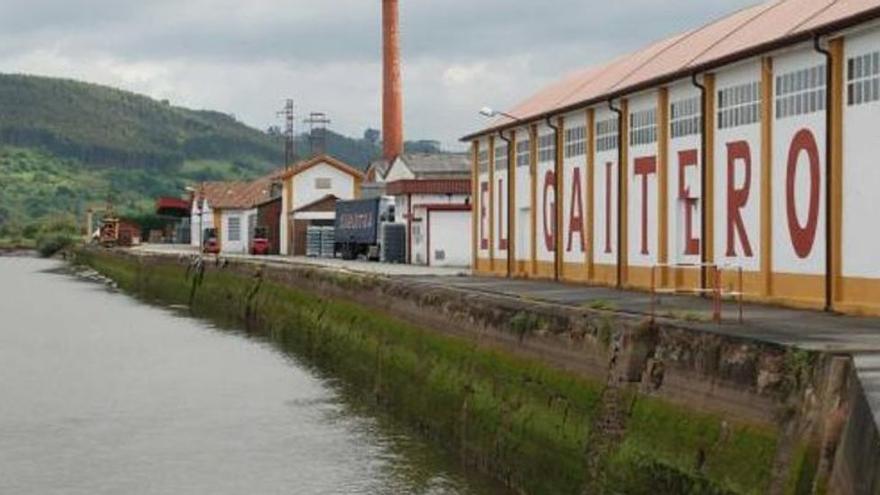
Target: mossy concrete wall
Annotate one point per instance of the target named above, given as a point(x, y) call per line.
point(547, 398)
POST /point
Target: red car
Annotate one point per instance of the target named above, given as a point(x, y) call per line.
point(211, 246)
point(260, 244)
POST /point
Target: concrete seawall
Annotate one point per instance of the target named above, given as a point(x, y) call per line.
point(660, 406)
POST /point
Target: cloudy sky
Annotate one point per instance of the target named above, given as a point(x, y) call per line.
point(246, 57)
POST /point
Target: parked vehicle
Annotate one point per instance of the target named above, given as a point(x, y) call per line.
point(260, 245)
point(211, 243)
point(109, 233)
point(359, 227)
point(115, 232)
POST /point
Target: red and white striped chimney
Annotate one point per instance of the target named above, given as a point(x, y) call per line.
point(392, 93)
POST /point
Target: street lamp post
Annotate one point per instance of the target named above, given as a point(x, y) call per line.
point(201, 202)
point(490, 113)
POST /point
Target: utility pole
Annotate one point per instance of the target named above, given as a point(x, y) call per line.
point(317, 132)
point(289, 143)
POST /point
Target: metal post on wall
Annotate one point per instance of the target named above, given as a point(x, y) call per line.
point(620, 178)
point(556, 196)
point(704, 259)
point(510, 170)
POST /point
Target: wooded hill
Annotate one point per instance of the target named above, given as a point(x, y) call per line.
point(66, 144)
point(98, 125)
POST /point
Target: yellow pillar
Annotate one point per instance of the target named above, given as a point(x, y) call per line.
point(491, 211)
point(663, 183)
point(837, 89)
point(533, 170)
point(590, 210)
point(767, 176)
point(475, 205)
point(218, 227)
point(709, 210)
point(511, 205)
point(623, 214)
point(559, 173)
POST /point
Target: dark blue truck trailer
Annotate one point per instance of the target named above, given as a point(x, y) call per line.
point(359, 226)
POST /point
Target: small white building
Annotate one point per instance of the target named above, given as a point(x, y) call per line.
point(228, 211)
point(441, 235)
point(432, 192)
point(308, 183)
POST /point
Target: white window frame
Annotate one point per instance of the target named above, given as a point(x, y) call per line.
point(547, 148)
point(501, 157)
point(233, 233)
point(685, 117)
point(483, 161)
point(863, 78)
point(576, 141)
point(739, 105)
point(800, 92)
point(607, 137)
point(523, 153)
point(643, 127)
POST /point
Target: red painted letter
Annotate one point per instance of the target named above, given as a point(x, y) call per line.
point(576, 213)
point(549, 207)
point(484, 192)
point(687, 159)
point(645, 166)
point(502, 237)
point(803, 237)
point(737, 198)
point(608, 169)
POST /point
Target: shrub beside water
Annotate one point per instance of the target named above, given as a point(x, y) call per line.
point(56, 234)
point(49, 245)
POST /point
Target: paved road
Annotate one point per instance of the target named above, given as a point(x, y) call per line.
point(337, 264)
point(811, 330)
point(805, 329)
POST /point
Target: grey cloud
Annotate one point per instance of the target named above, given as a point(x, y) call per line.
point(245, 57)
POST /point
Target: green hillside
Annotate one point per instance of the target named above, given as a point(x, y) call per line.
point(103, 126)
point(66, 145)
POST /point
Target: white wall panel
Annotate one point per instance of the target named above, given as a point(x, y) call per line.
point(574, 192)
point(642, 170)
point(861, 172)
point(684, 177)
point(605, 194)
point(738, 168)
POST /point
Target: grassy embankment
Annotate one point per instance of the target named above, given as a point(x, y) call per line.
point(520, 420)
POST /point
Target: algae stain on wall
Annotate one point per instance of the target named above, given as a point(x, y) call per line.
point(527, 424)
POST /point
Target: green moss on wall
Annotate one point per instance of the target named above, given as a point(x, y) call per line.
point(722, 457)
point(518, 419)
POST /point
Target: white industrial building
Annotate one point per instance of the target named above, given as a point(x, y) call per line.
point(747, 144)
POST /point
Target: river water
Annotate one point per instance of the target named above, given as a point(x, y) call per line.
point(101, 394)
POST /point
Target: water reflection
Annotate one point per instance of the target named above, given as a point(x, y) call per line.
point(102, 394)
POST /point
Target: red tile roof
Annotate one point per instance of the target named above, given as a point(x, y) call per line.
point(329, 160)
point(236, 195)
point(430, 186)
point(168, 203)
point(745, 33)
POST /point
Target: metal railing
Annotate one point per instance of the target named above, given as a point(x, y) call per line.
point(717, 291)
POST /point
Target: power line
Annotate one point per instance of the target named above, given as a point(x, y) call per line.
point(317, 122)
point(289, 142)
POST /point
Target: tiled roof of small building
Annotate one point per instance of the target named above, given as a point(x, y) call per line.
point(429, 186)
point(238, 195)
point(437, 165)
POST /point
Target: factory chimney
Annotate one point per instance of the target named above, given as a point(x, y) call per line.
point(392, 92)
